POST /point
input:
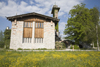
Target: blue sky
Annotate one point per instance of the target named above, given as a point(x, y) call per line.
point(11, 7)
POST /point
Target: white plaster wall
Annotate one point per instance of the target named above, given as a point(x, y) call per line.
point(17, 37)
point(49, 35)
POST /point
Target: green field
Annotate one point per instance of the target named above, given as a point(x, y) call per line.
point(50, 59)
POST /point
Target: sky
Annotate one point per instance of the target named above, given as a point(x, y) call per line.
point(13, 7)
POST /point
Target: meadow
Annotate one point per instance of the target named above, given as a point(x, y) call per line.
point(50, 59)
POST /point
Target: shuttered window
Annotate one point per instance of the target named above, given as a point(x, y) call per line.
point(39, 32)
point(27, 32)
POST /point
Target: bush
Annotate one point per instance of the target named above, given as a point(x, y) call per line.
point(59, 45)
point(19, 49)
point(1, 44)
point(75, 47)
point(7, 34)
point(42, 49)
point(27, 49)
point(1, 39)
point(7, 43)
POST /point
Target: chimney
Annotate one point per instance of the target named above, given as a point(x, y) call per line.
point(55, 11)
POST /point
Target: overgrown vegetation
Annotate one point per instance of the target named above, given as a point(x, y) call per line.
point(50, 59)
point(74, 46)
point(1, 39)
point(59, 45)
point(7, 34)
point(34, 49)
point(19, 49)
point(83, 25)
point(56, 27)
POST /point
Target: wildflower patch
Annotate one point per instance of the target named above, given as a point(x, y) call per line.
point(50, 59)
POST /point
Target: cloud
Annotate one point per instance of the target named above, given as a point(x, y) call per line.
point(31, 2)
point(40, 6)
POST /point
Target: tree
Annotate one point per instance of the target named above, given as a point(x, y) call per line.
point(95, 19)
point(79, 25)
point(7, 34)
point(99, 32)
point(1, 39)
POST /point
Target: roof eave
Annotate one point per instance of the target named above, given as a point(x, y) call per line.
point(23, 15)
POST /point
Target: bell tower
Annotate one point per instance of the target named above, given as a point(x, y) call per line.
point(55, 11)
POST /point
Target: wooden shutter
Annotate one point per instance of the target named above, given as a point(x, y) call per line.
point(27, 33)
point(39, 31)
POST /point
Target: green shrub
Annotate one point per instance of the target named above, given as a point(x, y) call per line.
point(7, 43)
point(59, 45)
point(1, 39)
point(19, 49)
point(27, 49)
point(11, 49)
point(42, 49)
point(1, 44)
point(7, 34)
point(75, 47)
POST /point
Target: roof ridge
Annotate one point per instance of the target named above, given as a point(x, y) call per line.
point(32, 13)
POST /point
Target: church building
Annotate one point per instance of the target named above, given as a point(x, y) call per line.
point(34, 30)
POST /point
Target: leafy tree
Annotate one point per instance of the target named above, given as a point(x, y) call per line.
point(1, 39)
point(79, 25)
point(7, 34)
point(99, 32)
point(95, 19)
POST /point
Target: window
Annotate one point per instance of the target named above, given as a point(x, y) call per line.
point(38, 25)
point(39, 32)
point(27, 32)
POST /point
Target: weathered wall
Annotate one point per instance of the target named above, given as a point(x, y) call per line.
point(49, 35)
point(17, 37)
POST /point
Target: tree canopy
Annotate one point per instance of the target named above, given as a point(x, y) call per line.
point(1, 39)
point(7, 34)
point(80, 26)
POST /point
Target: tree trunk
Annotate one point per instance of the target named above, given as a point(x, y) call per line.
point(97, 38)
point(93, 44)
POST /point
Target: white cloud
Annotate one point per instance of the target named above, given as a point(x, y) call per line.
point(60, 13)
point(1, 4)
point(31, 2)
point(41, 6)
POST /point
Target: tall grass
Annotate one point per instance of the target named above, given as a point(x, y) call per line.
point(49, 59)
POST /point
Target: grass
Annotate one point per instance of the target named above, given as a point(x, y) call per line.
point(50, 59)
